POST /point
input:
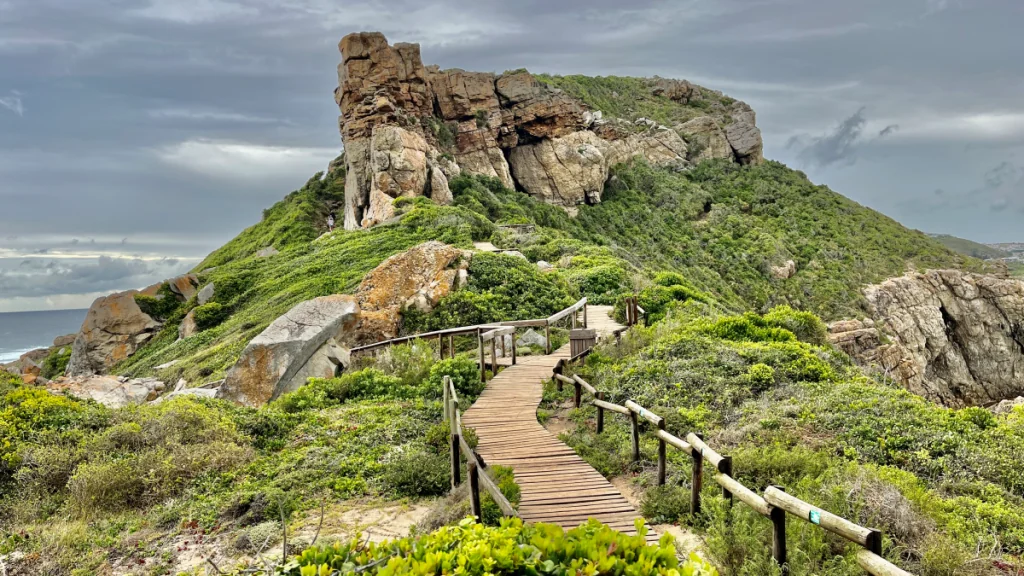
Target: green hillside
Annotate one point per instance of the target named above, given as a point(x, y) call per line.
point(969, 248)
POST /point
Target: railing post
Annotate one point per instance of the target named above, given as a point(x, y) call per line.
point(778, 517)
point(483, 361)
point(725, 467)
point(513, 347)
point(447, 402)
point(474, 490)
point(574, 312)
point(494, 360)
point(874, 544)
point(558, 370)
point(600, 414)
point(547, 338)
point(585, 315)
point(578, 393)
point(662, 456)
point(635, 427)
point(504, 353)
point(697, 479)
point(456, 461)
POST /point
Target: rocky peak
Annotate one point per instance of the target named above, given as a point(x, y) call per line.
point(408, 128)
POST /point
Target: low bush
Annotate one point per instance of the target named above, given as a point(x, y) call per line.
point(56, 363)
point(418, 474)
point(511, 548)
point(210, 314)
point(665, 504)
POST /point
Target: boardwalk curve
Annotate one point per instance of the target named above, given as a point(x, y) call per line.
point(557, 486)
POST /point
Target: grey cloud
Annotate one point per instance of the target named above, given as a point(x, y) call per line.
point(836, 147)
point(105, 273)
point(129, 97)
point(13, 103)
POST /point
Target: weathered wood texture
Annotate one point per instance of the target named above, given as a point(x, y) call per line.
point(556, 485)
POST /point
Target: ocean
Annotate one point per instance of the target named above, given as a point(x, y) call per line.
point(24, 331)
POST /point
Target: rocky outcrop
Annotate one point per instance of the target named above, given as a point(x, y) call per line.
point(114, 328)
point(417, 278)
point(288, 352)
point(184, 286)
point(785, 271)
point(953, 337)
point(111, 391)
point(188, 326)
point(744, 136)
point(66, 340)
point(705, 138)
point(565, 171)
point(312, 339)
point(573, 169)
point(405, 126)
point(206, 294)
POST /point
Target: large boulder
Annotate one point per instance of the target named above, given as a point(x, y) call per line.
point(952, 337)
point(184, 286)
point(417, 278)
point(706, 139)
point(66, 340)
point(744, 136)
point(114, 328)
point(275, 362)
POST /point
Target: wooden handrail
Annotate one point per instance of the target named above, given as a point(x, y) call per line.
point(644, 413)
point(775, 503)
point(866, 537)
point(477, 469)
point(574, 308)
point(875, 564)
point(488, 336)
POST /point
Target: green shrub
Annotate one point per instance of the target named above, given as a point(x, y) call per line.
point(665, 504)
point(511, 548)
point(418, 474)
point(806, 326)
point(160, 307)
point(465, 375)
point(505, 478)
point(210, 314)
point(761, 376)
point(56, 363)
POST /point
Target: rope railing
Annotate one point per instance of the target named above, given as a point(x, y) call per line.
point(775, 504)
point(475, 466)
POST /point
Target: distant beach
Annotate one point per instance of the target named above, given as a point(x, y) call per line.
point(24, 331)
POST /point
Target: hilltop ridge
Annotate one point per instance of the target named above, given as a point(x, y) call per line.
point(409, 129)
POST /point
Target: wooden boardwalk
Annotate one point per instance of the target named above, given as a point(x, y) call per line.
point(557, 486)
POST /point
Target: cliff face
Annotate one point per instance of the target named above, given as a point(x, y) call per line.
point(409, 128)
point(952, 337)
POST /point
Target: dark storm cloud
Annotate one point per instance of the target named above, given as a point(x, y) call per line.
point(175, 122)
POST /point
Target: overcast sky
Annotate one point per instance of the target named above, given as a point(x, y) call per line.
point(138, 135)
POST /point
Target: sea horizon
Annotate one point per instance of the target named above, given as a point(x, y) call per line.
point(21, 332)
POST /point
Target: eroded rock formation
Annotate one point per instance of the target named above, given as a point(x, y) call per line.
point(953, 337)
point(409, 128)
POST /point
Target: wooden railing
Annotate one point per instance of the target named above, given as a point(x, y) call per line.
point(775, 503)
point(494, 333)
point(475, 466)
